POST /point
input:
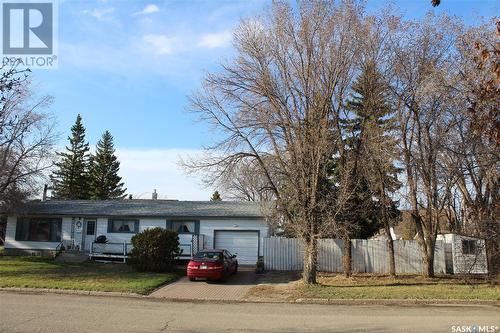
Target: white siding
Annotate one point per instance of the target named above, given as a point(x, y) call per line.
point(11, 243)
point(66, 228)
point(207, 227)
point(116, 237)
point(112, 237)
point(185, 243)
point(102, 229)
point(77, 233)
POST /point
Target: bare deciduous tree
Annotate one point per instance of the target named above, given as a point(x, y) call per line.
point(26, 137)
point(279, 104)
point(246, 182)
point(422, 64)
point(472, 154)
point(282, 105)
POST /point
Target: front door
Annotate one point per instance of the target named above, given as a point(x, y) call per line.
point(89, 232)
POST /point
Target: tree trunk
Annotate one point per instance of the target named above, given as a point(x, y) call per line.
point(492, 257)
point(310, 261)
point(392, 260)
point(490, 231)
point(427, 262)
point(428, 259)
point(347, 257)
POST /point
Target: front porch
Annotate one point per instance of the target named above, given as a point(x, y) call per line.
point(189, 244)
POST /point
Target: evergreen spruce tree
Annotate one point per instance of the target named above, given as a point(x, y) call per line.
point(371, 150)
point(374, 124)
point(71, 177)
point(216, 196)
point(369, 128)
point(105, 182)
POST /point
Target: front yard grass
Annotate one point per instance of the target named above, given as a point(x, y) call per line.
point(332, 286)
point(404, 287)
point(28, 272)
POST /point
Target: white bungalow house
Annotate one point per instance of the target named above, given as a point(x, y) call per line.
point(44, 227)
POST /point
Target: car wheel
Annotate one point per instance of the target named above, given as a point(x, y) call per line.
point(235, 269)
point(223, 278)
point(192, 279)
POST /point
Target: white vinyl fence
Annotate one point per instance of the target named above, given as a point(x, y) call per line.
point(368, 255)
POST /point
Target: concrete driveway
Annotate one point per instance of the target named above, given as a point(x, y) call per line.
point(235, 288)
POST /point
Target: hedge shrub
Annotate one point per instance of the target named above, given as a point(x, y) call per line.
point(154, 250)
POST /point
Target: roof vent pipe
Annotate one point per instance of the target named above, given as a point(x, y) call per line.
point(155, 195)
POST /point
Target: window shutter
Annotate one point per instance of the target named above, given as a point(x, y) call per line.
point(196, 227)
point(110, 225)
point(169, 225)
point(136, 226)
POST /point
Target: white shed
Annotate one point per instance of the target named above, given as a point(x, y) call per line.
point(464, 254)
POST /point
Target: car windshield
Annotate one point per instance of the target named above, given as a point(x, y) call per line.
point(208, 255)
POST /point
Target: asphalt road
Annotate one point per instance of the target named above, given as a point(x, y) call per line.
point(70, 313)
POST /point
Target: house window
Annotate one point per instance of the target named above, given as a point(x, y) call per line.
point(90, 228)
point(184, 227)
point(469, 246)
point(123, 226)
point(38, 229)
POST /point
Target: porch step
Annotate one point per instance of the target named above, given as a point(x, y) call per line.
point(74, 257)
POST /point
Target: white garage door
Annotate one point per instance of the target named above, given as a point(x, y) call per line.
point(245, 244)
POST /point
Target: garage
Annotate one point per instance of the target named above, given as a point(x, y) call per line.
point(244, 243)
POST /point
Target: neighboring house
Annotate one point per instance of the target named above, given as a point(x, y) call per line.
point(404, 226)
point(381, 235)
point(42, 227)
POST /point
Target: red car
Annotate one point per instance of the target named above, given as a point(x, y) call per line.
point(212, 265)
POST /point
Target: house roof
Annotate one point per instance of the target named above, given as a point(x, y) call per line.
point(142, 208)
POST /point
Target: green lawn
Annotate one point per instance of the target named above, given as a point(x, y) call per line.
point(363, 287)
point(44, 273)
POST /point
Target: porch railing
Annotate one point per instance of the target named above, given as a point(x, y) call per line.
point(68, 244)
point(197, 243)
point(65, 244)
point(110, 250)
point(190, 248)
point(122, 250)
point(58, 248)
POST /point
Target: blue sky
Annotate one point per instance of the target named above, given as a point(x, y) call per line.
point(127, 66)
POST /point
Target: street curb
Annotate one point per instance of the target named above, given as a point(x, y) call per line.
point(73, 292)
point(383, 302)
point(403, 302)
